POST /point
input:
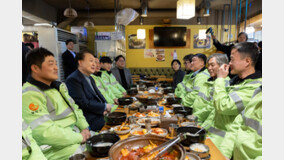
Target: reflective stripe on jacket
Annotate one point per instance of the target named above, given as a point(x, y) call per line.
point(244, 138)
point(203, 103)
point(229, 102)
point(112, 84)
point(194, 84)
point(52, 120)
point(181, 88)
point(30, 149)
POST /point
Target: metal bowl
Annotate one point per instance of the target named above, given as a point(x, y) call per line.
point(125, 101)
point(115, 118)
point(183, 110)
point(101, 151)
point(141, 141)
point(199, 138)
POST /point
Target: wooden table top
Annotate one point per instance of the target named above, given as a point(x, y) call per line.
point(213, 150)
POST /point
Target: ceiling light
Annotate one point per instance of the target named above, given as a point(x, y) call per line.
point(70, 12)
point(141, 33)
point(144, 6)
point(185, 9)
point(249, 30)
point(89, 24)
point(43, 24)
point(206, 12)
point(202, 34)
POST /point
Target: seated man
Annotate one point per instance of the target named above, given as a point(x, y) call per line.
point(108, 95)
point(231, 101)
point(122, 74)
point(30, 149)
point(181, 88)
point(109, 78)
point(84, 91)
point(244, 139)
point(203, 103)
point(196, 80)
point(55, 120)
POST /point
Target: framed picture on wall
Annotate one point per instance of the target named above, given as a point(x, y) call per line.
point(134, 43)
point(201, 43)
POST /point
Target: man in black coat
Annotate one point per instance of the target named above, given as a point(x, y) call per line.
point(82, 88)
point(68, 59)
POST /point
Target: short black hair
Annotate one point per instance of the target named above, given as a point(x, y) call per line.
point(176, 60)
point(247, 49)
point(37, 56)
point(30, 44)
point(68, 41)
point(117, 58)
point(188, 57)
point(260, 44)
point(105, 59)
point(202, 57)
point(244, 33)
point(81, 55)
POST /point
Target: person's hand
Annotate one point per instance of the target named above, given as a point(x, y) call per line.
point(86, 134)
point(213, 37)
point(124, 93)
point(227, 158)
point(105, 112)
point(116, 101)
point(108, 107)
point(223, 71)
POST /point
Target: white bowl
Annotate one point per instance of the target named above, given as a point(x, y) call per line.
point(123, 131)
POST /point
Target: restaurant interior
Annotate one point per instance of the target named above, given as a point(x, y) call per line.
point(154, 116)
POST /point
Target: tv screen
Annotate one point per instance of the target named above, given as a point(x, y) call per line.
point(169, 36)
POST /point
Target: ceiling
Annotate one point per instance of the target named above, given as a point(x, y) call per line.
point(135, 4)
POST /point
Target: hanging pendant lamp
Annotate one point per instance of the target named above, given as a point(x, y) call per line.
point(88, 23)
point(70, 12)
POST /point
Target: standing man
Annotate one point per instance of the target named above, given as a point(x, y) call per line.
point(84, 91)
point(122, 74)
point(68, 59)
point(57, 124)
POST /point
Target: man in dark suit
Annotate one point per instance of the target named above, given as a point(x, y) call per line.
point(68, 59)
point(82, 88)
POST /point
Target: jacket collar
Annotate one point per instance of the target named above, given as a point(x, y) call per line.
point(99, 74)
point(196, 72)
point(43, 86)
point(211, 79)
point(109, 72)
point(237, 80)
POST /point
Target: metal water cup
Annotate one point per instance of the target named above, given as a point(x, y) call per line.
point(173, 129)
point(148, 124)
point(78, 157)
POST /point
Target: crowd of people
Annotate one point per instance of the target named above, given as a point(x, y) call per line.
point(229, 108)
point(58, 117)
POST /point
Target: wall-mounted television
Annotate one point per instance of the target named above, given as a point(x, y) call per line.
point(169, 36)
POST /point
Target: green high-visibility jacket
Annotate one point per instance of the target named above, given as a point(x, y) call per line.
point(112, 84)
point(30, 149)
point(181, 88)
point(52, 120)
point(244, 137)
point(228, 102)
point(105, 91)
point(193, 86)
point(203, 102)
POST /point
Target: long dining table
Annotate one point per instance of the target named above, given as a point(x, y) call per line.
point(214, 152)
